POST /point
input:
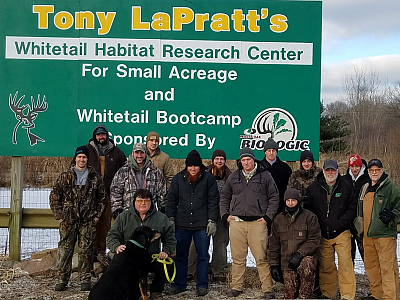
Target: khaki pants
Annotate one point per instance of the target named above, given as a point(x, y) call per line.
point(254, 235)
point(381, 266)
point(328, 274)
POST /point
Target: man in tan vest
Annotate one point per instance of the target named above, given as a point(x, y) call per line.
point(378, 216)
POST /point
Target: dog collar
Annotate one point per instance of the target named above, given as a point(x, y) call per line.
point(137, 244)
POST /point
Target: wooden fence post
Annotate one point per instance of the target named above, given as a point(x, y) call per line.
point(17, 182)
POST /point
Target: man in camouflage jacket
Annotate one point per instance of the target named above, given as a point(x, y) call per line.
point(77, 202)
point(137, 173)
point(302, 178)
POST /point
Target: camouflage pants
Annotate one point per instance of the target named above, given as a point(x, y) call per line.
point(69, 233)
point(300, 284)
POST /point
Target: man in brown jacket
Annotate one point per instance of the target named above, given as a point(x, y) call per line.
point(293, 246)
point(106, 159)
point(249, 201)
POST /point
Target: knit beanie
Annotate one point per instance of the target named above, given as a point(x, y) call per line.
point(218, 152)
point(82, 150)
point(306, 154)
point(292, 193)
point(152, 135)
point(355, 160)
point(246, 152)
point(193, 159)
point(270, 144)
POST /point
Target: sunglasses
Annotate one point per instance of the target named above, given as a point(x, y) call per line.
point(143, 201)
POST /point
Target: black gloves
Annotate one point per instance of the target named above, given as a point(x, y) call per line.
point(386, 216)
point(276, 273)
point(117, 212)
point(225, 218)
point(295, 260)
point(269, 223)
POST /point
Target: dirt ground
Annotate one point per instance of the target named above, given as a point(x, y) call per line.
point(16, 285)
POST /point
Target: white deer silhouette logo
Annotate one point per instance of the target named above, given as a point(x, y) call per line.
point(26, 119)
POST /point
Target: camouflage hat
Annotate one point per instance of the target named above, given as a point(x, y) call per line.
point(139, 147)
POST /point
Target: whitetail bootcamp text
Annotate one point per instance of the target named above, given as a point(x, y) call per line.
point(161, 117)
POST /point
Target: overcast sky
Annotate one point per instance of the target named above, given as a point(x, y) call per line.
point(359, 33)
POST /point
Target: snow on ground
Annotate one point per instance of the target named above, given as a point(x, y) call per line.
point(34, 240)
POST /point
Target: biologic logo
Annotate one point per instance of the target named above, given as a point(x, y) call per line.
point(278, 124)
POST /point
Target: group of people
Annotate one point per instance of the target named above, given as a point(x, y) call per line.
point(293, 223)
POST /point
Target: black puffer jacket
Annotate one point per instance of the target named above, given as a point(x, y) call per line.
point(280, 172)
point(193, 204)
point(342, 208)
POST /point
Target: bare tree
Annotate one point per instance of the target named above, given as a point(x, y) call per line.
point(367, 101)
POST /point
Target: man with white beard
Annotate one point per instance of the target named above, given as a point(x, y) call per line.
point(331, 198)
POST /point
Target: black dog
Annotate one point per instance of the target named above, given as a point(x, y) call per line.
point(127, 269)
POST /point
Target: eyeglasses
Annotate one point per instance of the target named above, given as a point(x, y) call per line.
point(143, 201)
point(374, 170)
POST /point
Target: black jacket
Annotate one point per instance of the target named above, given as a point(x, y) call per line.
point(364, 178)
point(280, 172)
point(342, 208)
point(193, 204)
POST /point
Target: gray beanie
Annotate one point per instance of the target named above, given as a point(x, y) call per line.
point(270, 144)
point(292, 193)
point(246, 152)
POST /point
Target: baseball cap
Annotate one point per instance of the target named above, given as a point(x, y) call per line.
point(375, 162)
point(330, 164)
point(139, 147)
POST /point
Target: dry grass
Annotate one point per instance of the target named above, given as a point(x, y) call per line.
point(42, 171)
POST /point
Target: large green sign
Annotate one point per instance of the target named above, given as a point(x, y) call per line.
point(203, 74)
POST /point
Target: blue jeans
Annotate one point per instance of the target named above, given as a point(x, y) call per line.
point(201, 242)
